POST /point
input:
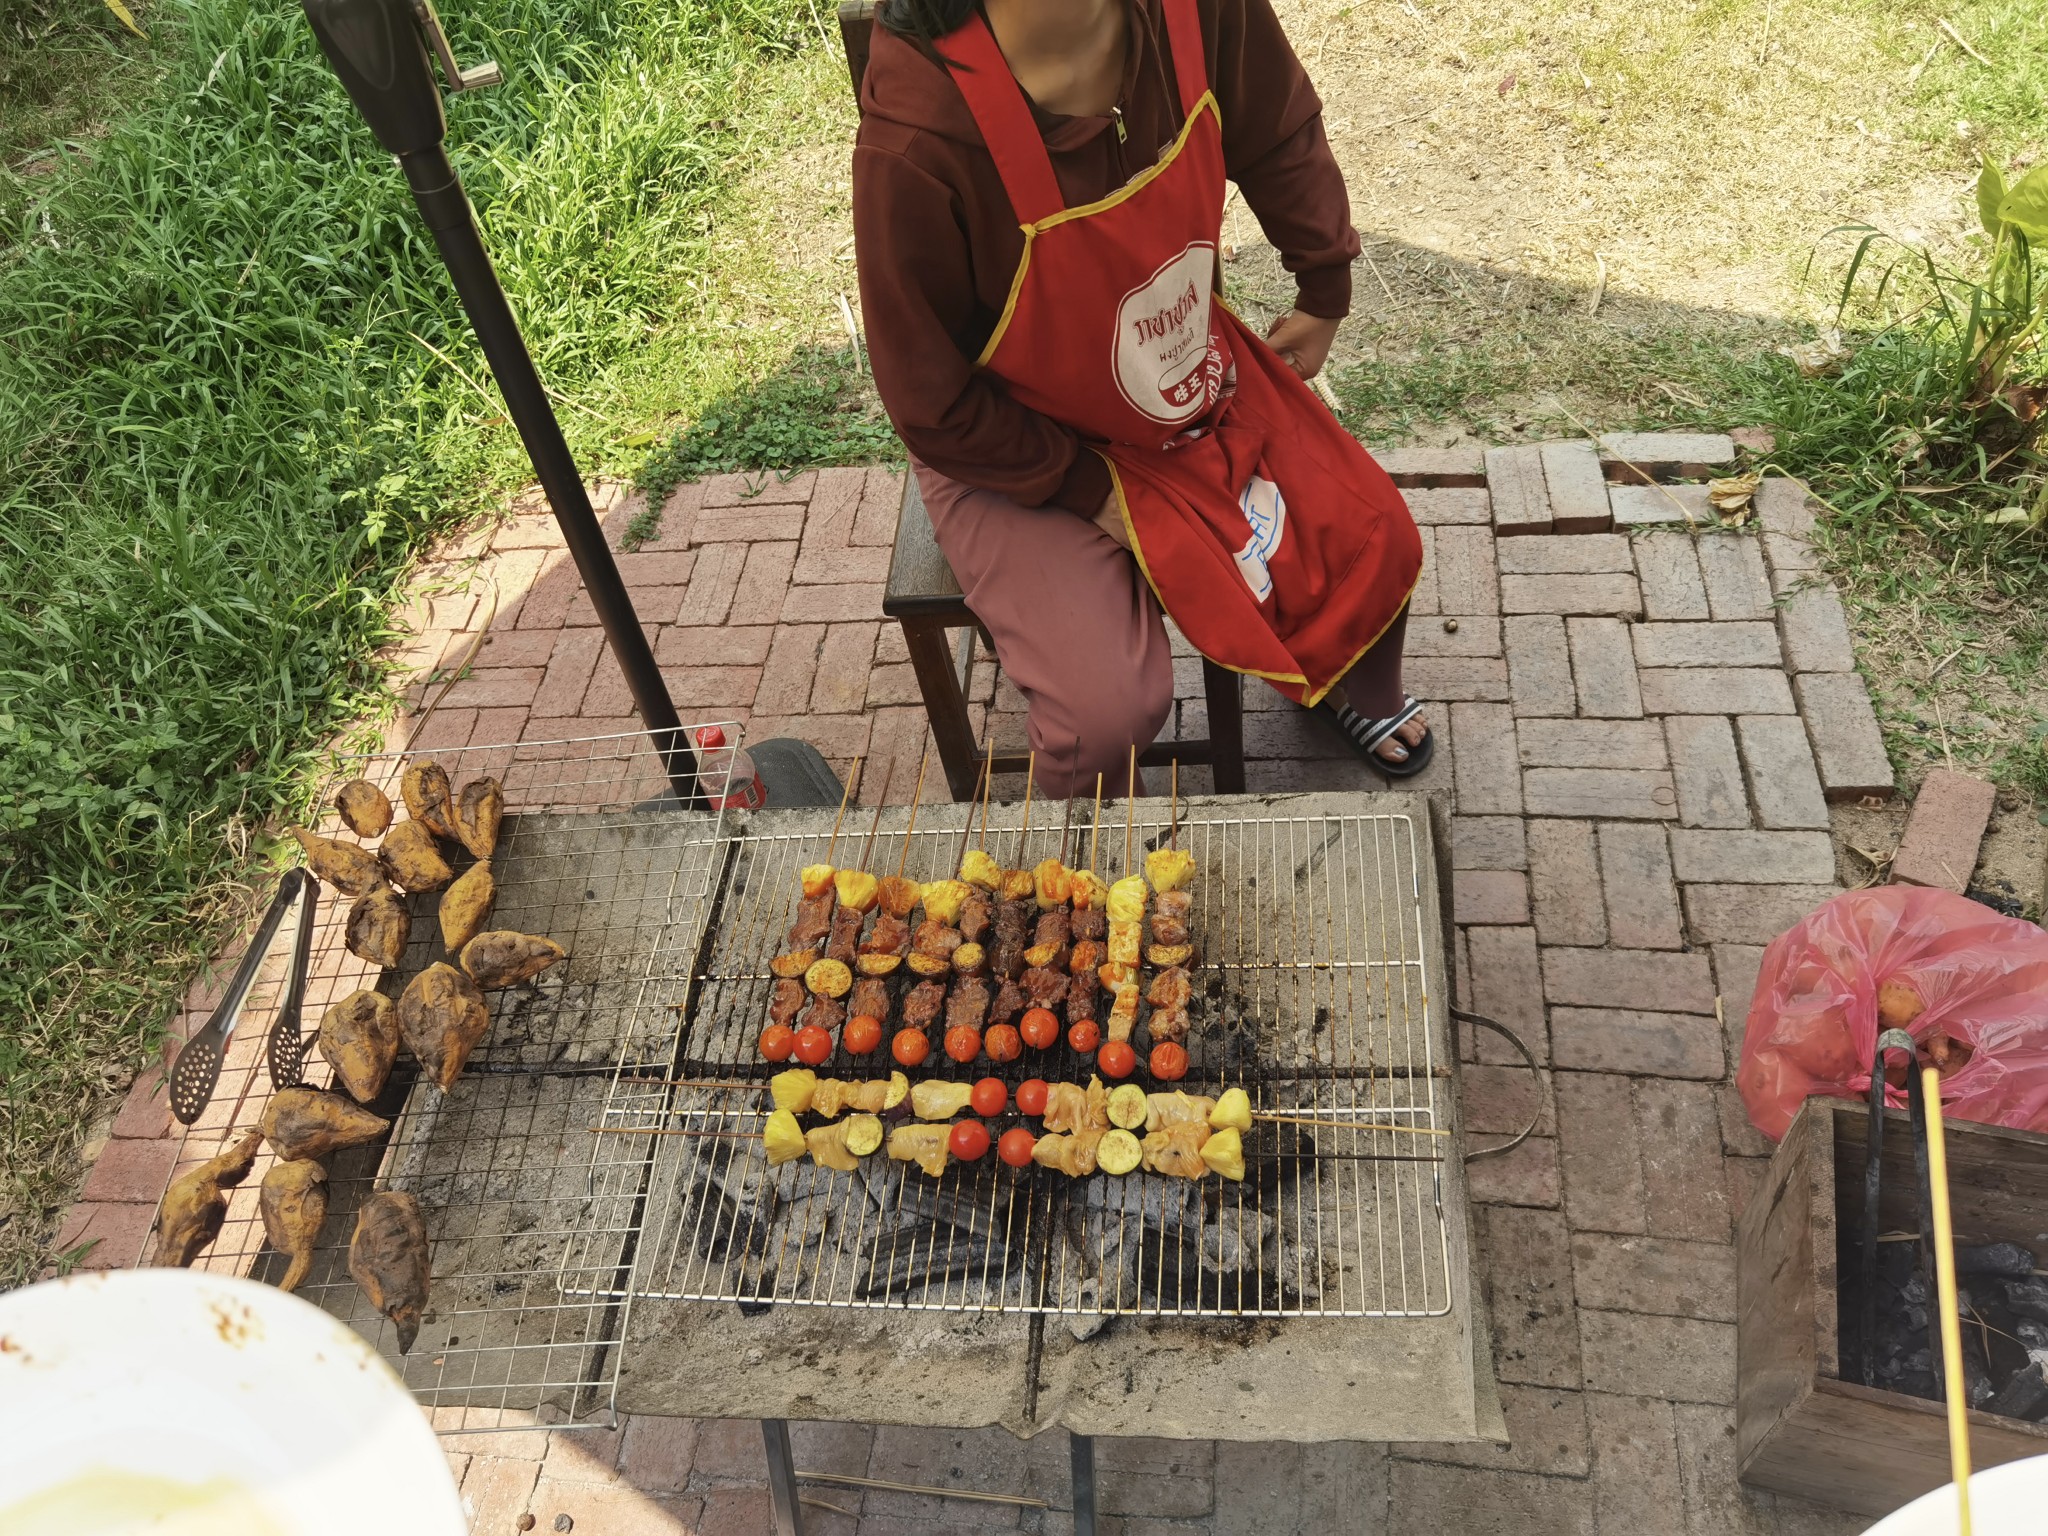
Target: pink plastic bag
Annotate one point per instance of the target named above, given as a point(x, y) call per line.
point(1983, 978)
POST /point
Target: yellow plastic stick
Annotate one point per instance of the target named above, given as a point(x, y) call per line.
point(1945, 1283)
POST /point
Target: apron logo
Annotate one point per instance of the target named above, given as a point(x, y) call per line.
point(1167, 364)
point(1266, 510)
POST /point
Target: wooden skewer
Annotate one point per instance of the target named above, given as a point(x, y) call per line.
point(651, 1130)
point(1349, 1125)
point(723, 1084)
point(988, 772)
point(1095, 836)
point(967, 827)
point(845, 795)
point(903, 858)
point(1945, 1285)
point(875, 826)
point(1067, 825)
point(1130, 807)
point(1024, 832)
point(1173, 808)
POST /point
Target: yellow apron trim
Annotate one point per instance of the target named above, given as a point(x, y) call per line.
point(1129, 189)
point(1310, 699)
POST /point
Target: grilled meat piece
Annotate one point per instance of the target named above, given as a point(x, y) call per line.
point(1171, 988)
point(1168, 930)
point(1167, 1024)
point(977, 913)
point(1014, 918)
point(785, 1000)
point(1053, 927)
point(922, 1006)
point(889, 936)
point(1007, 958)
point(824, 1012)
point(870, 999)
point(1070, 1107)
point(845, 941)
point(969, 1003)
point(813, 920)
point(1047, 988)
point(1083, 997)
point(1087, 955)
point(1176, 1150)
point(1090, 923)
point(1179, 905)
point(1010, 1001)
point(936, 939)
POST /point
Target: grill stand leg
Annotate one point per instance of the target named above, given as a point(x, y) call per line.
point(788, 1513)
point(1081, 1452)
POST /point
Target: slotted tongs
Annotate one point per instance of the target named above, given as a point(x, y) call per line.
point(196, 1072)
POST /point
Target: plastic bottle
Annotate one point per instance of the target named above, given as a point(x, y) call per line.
point(744, 789)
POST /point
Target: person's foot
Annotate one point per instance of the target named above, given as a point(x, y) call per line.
point(1407, 736)
point(1401, 746)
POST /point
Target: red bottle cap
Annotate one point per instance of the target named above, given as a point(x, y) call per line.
point(711, 736)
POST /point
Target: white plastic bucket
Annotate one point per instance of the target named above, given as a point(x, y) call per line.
point(2011, 1500)
point(175, 1402)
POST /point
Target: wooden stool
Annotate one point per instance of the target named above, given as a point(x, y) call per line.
point(923, 596)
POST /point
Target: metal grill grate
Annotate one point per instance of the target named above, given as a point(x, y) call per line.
point(1317, 1004)
point(533, 1220)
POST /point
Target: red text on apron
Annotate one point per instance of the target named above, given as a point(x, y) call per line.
point(1268, 534)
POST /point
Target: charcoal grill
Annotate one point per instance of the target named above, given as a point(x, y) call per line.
point(607, 1234)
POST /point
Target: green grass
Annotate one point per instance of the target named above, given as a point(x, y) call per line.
point(224, 430)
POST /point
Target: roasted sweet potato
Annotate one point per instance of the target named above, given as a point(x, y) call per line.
point(364, 807)
point(466, 906)
point(305, 1122)
point(194, 1206)
point(503, 958)
point(345, 866)
point(442, 1016)
point(478, 810)
point(429, 798)
point(388, 1258)
point(379, 926)
point(293, 1202)
point(359, 1039)
point(413, 859)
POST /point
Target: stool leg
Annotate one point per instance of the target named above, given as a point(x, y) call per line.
point(785, 1512)
point(1081, 1458)
point(1223, 690)
point(945, 704)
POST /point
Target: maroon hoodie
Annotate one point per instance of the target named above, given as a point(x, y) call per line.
point(939, 243)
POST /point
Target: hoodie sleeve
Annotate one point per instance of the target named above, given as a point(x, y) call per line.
point(1275, 150)
point(918, 303)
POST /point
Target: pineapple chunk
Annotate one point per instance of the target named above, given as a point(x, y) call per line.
point(857, 889)
point(977, 868)
point(816, 878)
point(1233, 1112)
point(783, 1138)
point(1124, 940)
point(1169, 868)
point(1054, 883)
point(1127, 900)
point(898, 896)
point(1089, 891)
point(942, 900)
point(1018, 885)
point(793, 1090)
point(935, 1100)
point(1224, 1152)
point(1041, 954)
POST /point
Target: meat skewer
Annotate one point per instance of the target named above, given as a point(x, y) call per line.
point(813, 925)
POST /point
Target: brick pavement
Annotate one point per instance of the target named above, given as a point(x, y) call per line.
point(1641, 721)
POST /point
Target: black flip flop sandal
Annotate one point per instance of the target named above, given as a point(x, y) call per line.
point(1366, 736)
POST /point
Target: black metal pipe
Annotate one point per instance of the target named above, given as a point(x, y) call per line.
point(437, 189)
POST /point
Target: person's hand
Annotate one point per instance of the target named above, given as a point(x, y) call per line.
point(1109, 517)
point(1303, 341)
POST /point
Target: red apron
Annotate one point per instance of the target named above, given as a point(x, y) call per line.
point(1266, 531)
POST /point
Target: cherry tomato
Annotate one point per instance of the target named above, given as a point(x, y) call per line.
point(1040, 1029)
point(968, 1141)
point(989, 1097)
point(862, 1034)
point(1002, 1044)
point(963, 1042)
point(1015, 1147)
point(1031, 1096)
point(1169, 1062)
point(777, 1041)
point(1117, 1059)
point(813, 1045)
point(1085, 1036)
point(910, 1047)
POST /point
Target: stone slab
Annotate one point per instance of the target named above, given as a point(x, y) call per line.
point(1611, 593)
point(1715, 691)
point(1604, 668)
point(1559, 554)
point(1514, 481)
point(1539, 665)
point(1848, 747)
point(1578, 489)
point(1635, 794)
point(1783, 783)
point(1707, 771)
point(1944, 831)
point(1669, 568)
point(1642, 506)
point(1752, 858)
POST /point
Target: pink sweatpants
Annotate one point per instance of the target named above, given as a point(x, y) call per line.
point(1080, 633)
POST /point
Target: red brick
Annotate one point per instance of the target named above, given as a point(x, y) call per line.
point(727, 645)
point(1669, 571)
point(1466, 578)
point(495, 727)
point(146, 1111)
point(895, 684)
point(1627, 1041)
point(132, 1171)
point(1779, 763)
point(615, 1509)
point(1682, 1360)
point(1507, 987)
point(1740, 1141)
point(1786, 513)
point(840, 738)
point(1527, 1175)
point(1423, 601)
point(677, 526)
point(1599, 1152)
point(1525, 1265)
point(830, 566)
point(1504, 1100)
point(1706, 645)
point(499, 1490)
point(1608, 594)
point(757, 488)
point(1489, 779)
point(748, 525)
point(1514, 482)
point(1495, 896)
point(118, 1232)
point(1848, 748)
point(714, 688)
point(1715, 691)
point(1488, 842)
point(1442, 679)
point(1578, 490)
point(1476, 635)
point(1565, 878)
point(1651, 980)
point(1707, 772)
point(1732, 565)
point(1555, 743)
point(1637, 506)
point(1433, 466)
point(1449, 508)
point(442, 731)
point(1604, 668)
point(713, 580)
point(1813, 628)
point(844, 662)
point(656, 1453)
point(790, 670)
point(1663, 1277)
point(1748, 914)
point(1680, 1128)
point(1546, 1434)
point(516, 648)
point(668, 568)
point(561, 690)
point(763, 584)
point(1745, 1176)
point(1642, 898)
point(1294, 735)
point(1687, 455)
point(1636, 794)
point(829, 605)
point(1753, 858)
point(495, 688)
point(1582, 554)
point(534, 531)
point(881, 503)
point(1539, 666)
point(1944, 831)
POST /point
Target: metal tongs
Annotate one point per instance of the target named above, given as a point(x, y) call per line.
point(196, 1072)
